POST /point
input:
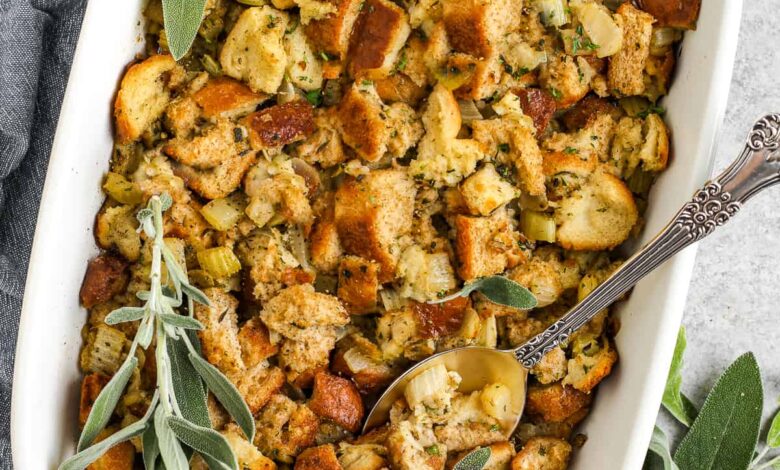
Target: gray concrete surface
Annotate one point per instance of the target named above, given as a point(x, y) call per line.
point(734, 300)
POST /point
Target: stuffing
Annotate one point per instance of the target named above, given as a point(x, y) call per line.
point(439, 320)
point(255, 341)
point(103, 351)
point(555, 402)
point(119, 457)
point(425, 275)
point(673, 13)
point(399, 88)
point(564, 77)
point(406, 129)
point(442, 158)
point(304, 68)
point(485, 191)
point(219, 181)
point(362, 456)
point(253, 51)
point(115, 227)
point(640, 143)
point(475, 26)
point(314, 9)
point(412, 62)
point(249, 458)
point(285, 428)
point(331, 33)
point(219, 337)
point(468, 426)
point(265, 260)
point(501, 454)
point(258, 384)
point(551, 368)
point(592, 140)
point(213, 147)
point(586, 110)
point(413, 449)
point(182, 116)
point(394, 330)
point(144, 93)
point(626, 68)
point(380, 32)
point(280, 125)
point(372, 213)
point(106, 277)
point(91, 386)
point(539, 105)
point(587, 369)
point(486, 245)
point(281, 197)
point(338, 400)
point(360, 359)
point(318, 458)
point(358, 284)
point(599, 216)
point(184, 221)
point(543, 453)
point(324, 145)
point(224, 97)
point(475, 78)
point(546, 275)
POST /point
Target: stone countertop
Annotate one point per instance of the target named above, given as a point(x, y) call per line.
point(734, 299)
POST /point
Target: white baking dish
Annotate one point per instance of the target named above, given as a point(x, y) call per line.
point(46, 378)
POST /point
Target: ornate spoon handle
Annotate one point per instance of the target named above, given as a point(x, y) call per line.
point(757, 167)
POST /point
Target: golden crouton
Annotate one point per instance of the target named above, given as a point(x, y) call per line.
point(673, 13)
point(219, 336)
point(331, 33)
point(91, 386)
point(542, 277)
point(324, 145)
point(258, 384)
point(364, 122)
point(399, 88)
point(253, 51)
point(599, 216)
point(181, 116)
point(143, 96)
point(338, 400)
point(555, 402)
point(563, 76)
point(210, 149)
point(318, 458)
point(304, 68)
point(362, 456)
point(587, 371)
point(380, 32)
point(592, 140)
point(115, 227)
point(371, 214)
point(407, 452)
point(481, 75)
point(226, 98)
point(106, 277)
point(543, 453)
point(119, 457)
point(485, 191)
point(285, 428)
point(314, 9)
point(551, 368)
point(425, 275)
point(358, 284)
point(256, 345)
point(265, 261)
point(284, 195)
point(486, 245)
point(324, 246)
point(280, 125)
point(249, 458)
point(475, 26)
point(586, 110)
point(539, 105)
point(626, 68)
point(640, 142)
point(412, 61)
point(299, 307)
point(219, 181)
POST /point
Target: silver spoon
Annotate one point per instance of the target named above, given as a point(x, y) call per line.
point(757, 167)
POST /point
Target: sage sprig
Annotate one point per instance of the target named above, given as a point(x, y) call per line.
point(675, 402)
point(497, 289)
point(474, 460)
point(182, 20)
point(177, 420)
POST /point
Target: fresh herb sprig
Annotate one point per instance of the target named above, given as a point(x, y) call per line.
point(182, 20)
point(725, 432)
point(497, 289)
point(177, 421)
point(474, 460)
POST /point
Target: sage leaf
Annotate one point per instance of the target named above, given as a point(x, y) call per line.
point(105, 403)
point(773, 436)
point(659, 444)
point(166, 201)
point(151, 448)
point(180, 321)
point(170, 449)
point(204, 440)
point(474, 460)
point(499, 290)
point(144, 215)
point(195, 294)
point(125, 314)
point(673, 400)
point(187, 384)
point(182, 19)
point(725, 433)
point(226, 394)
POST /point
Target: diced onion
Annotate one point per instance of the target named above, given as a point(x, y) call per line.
point(471, 325)
point(524, 57)
point(286, 92)
point(600, 28)
point(662, 39)
point(553, 12)
point(357, 361)
point(222, 214)
point(587, 284)
point(122, 190)
point(428, 384)
point(635, 105)
point(488, 333)
point(452, 78)
point(211, 66)
point(497, 401)
point(392, 300)
point(260, 211)
point(538, 226)
point(104, 352)
point(469, 111)
point(219, 262)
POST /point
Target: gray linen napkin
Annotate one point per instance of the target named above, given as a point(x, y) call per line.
point(37, 39)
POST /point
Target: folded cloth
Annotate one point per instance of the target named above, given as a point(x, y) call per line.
point(37, 39)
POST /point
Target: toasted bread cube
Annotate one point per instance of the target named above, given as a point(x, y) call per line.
point(399, 88)
point(224, 97)
point(542, 277)
point(363, 122)
point(484, 75)
point(324, 145)
point(551, 368)
point(425, 275)
point(258, 384)
point(116, 228)
point(556, 402)
point(219, 336)
point(91, 386)
point(143, 96)
point(209, 150)
point(543, 453)
point(407, 451)
point(220, 181)
point(599, 216)
point(586, 111)
point(358, 284)
point(405, 129)
point(362, 456)
point(564, 77)
point(539, 105)
point(592, 140)
point(486, 245)
point(673, 13)
point(304, 68)
point(314, 10)
point(318, 458)
point(255, 341)
point(248, 456)
point(338, 400)
point(119, 457)
point(585, 372)
point(325, 247)
point(299, 307)
point(331, 33)
point(285, 428)
point(486, 191)
point(106, 277)
point(626, 68)
point(280, 125)
point(476, 26)
point(253, 51)
point(182, 116)
point(380, 32)
point(372, 214)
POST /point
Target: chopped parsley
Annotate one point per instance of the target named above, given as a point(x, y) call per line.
point(366, 83)
point(324, 56)
point(272, 21)
point(401, 65)
point(556, 93)
point(432, 450)
point(652, 110)
point(570, 150)
point(314, 97)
